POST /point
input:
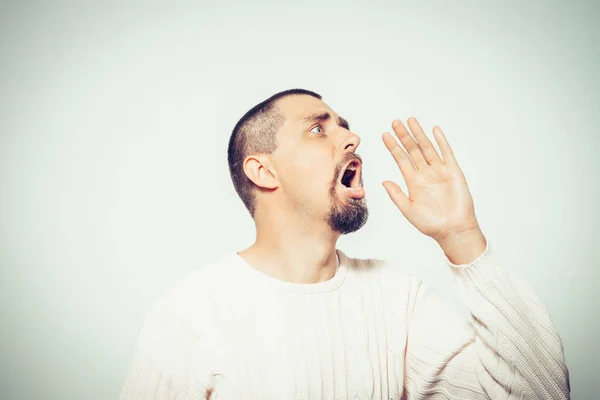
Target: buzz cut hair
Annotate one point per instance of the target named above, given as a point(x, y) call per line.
point(255, 133)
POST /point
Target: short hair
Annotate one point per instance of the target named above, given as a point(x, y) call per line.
point(255, 133)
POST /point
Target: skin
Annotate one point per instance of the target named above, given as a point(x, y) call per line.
point(294, 241)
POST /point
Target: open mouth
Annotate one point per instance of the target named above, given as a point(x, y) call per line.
point(351, 176)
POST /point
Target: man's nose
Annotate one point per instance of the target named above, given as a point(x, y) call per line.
point(351, 141)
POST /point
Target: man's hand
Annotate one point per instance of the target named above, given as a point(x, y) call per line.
point(439, 203)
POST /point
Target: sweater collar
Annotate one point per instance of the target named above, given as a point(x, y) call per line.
point(252, 276)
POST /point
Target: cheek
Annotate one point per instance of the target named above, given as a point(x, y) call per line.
point(312, 174)
point(307, 169)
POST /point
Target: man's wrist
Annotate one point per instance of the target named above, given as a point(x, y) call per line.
point(465, 247)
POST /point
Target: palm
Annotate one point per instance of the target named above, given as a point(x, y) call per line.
point(439, 200)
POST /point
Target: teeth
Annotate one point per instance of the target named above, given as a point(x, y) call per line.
point(351, 167)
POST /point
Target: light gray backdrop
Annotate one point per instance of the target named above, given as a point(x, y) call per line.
point(114, 124)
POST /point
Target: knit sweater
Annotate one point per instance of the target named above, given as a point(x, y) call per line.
point(373, 331)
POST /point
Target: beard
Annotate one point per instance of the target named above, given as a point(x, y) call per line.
point(350, 216)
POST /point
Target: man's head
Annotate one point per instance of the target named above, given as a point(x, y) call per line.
point(293, 153)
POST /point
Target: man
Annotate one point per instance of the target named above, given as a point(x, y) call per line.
point(292, 317)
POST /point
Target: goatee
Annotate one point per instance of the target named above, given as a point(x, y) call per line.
point(351, 216)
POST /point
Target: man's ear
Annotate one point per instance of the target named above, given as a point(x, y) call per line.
point(259, 170)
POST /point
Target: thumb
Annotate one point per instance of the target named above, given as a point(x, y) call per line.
point(398, 197)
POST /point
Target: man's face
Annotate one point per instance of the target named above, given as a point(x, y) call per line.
point(318, 169)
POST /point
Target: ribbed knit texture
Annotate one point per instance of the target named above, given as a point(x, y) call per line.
point(229, 331)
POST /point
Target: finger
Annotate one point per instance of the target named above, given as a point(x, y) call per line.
point(429, 152)
point(400, 156)
point(445, 149)
point(409, 144)
point(398, 197)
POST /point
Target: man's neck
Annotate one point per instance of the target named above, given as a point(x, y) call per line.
point(292, 254)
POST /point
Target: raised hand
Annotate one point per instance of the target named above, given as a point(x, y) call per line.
point(439, 203)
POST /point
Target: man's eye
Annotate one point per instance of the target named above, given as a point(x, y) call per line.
point(317, 127)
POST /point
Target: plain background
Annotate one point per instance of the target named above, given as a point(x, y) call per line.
point(114, 123)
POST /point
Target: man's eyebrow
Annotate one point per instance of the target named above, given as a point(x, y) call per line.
point(343, 123)
point(324, 116)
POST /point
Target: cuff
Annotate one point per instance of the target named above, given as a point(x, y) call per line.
point(483, 269)
point(478, 260)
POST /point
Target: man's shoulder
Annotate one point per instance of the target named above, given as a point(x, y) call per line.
point(378, 266)
point(210, 276)
point(391, 278)
point(191, 297)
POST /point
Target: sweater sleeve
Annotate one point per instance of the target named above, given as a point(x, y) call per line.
point(169, 358)
point(508, 350)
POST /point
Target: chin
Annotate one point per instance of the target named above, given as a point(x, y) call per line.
point(348, 217)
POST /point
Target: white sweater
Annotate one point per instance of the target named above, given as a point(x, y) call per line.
point(229, 331)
